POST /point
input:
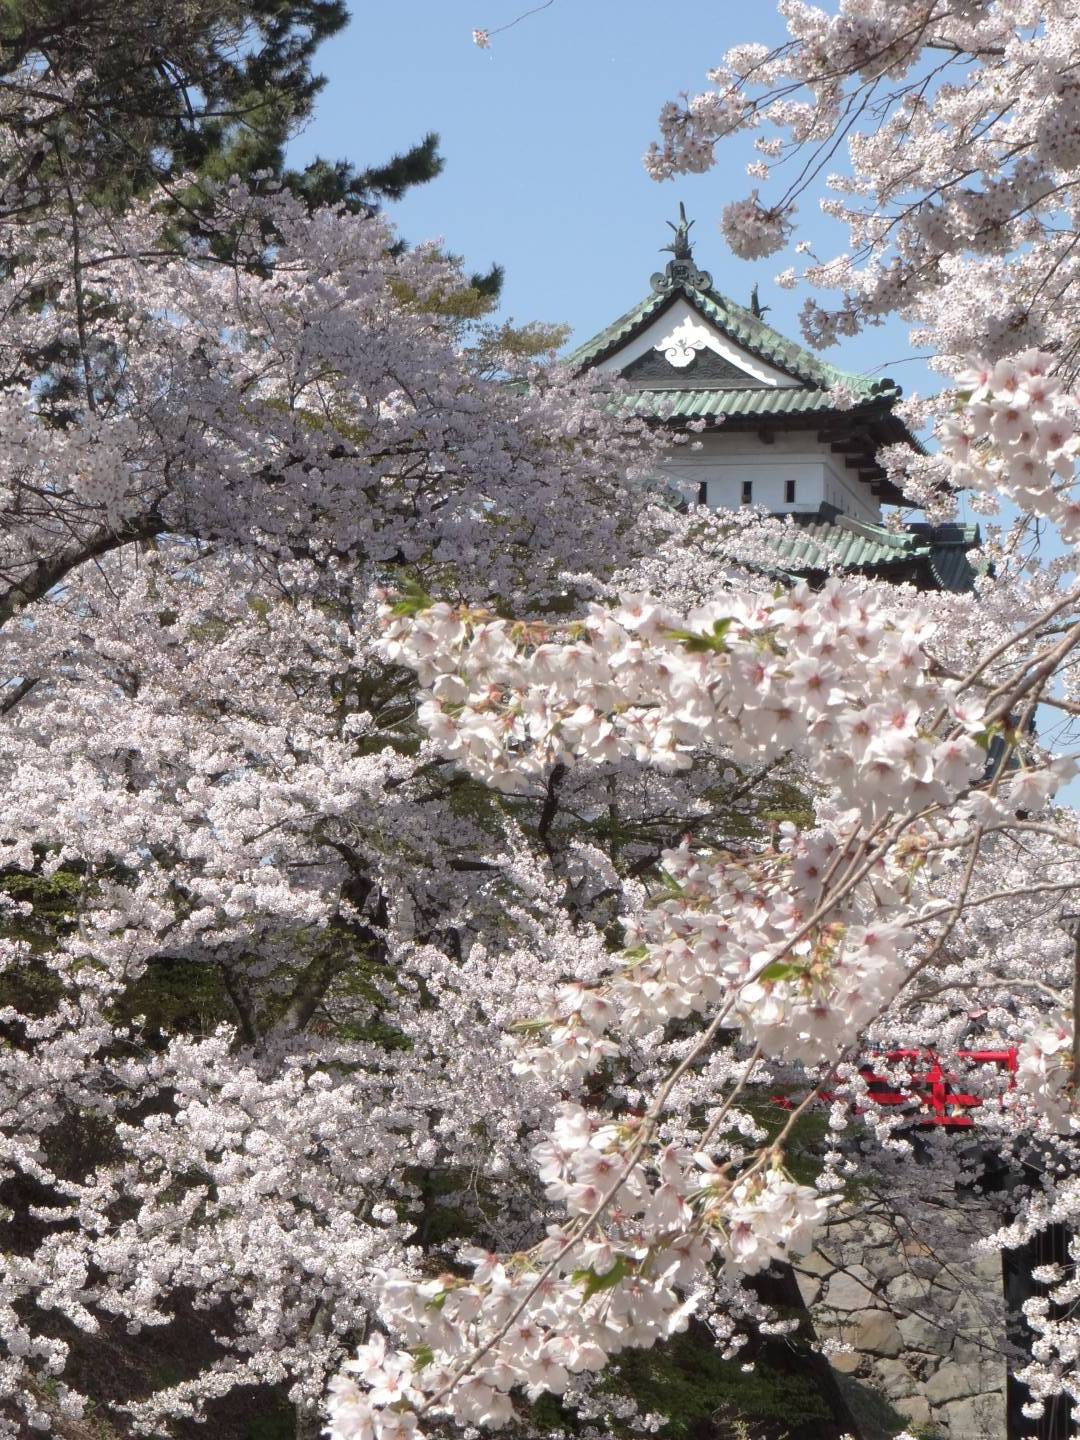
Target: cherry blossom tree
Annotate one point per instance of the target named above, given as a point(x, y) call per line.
point(410, 889)
point(244, 906)
point(960, 128)
point(816, 945)
point(916, 903)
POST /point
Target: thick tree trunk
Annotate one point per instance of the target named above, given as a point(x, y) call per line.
point(308, 1424)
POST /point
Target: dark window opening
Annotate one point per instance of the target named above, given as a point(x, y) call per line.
point(747, 492)
point(789, 492)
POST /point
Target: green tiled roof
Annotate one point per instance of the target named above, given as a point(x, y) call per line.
point(936, 556)
point(740, 325)
point(705, 404)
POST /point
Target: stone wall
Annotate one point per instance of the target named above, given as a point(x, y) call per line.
point(924, 1320)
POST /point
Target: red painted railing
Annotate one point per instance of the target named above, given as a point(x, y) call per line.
point(934, 1087)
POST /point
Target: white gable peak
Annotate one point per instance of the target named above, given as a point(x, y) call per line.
point(679, 334)
point(683, 343)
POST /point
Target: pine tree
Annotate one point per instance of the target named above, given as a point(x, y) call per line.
point(122, 96)
point(110, 101)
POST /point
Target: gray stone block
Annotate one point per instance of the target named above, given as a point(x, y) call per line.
point(916, 1409)
point(815, 1264)
point(852, 1289)
point(921, 1334)
point(847, 1362)
point(952, 1382)
point(907, 1287)
point(894, 1379)
point(982, 1417)
point(877, 1334)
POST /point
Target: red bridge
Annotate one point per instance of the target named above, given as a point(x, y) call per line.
point(940, 1100)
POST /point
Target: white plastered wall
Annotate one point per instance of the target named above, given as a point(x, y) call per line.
point(724, 462)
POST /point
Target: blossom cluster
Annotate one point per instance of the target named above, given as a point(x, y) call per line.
point(752, 675)
point(1016, 436)
point(960, 214)
point(1044, 1074)
point(530, 1322)
point(752, 231)
point(793, 944)
point(738, 935)
point(803, 945)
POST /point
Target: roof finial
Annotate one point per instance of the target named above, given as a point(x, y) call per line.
point(758, 310)
point(680, 269)
point(680, 246)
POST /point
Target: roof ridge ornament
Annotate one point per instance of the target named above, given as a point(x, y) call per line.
point(680, 269)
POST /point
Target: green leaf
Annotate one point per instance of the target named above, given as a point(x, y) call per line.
point(781, 970)
point(595, 1283)
point(698, 644)
point(530, 1027)
point(984, 737)
point(412, 600)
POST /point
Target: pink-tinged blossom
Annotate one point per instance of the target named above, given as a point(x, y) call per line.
point(311, 573)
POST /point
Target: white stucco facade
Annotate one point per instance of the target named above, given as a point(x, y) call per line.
point(724, 464)
point(785, 472)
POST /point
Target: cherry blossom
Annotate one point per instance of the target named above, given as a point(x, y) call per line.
point(408, 892)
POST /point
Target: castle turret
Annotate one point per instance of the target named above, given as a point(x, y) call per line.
point(776, 426)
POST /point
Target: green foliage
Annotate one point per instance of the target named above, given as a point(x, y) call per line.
point(787, 802)
point(507, 342)
point(594, 1282)
point(412, 599)
point(462, 302)
point(714, 641)
point(277, 1424)
point(446, 1209)
point(547, 1416)
point(176, 997)
point(374, 1028)
point(326, 182)
point(204, 88)
point(30, 987)
point(782, 970)
point(802, 1148)
point(54, 897)
point(689, 1382)
point(81, 1141)
point(155, 91)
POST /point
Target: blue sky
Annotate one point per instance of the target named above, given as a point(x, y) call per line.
point(543, 136)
